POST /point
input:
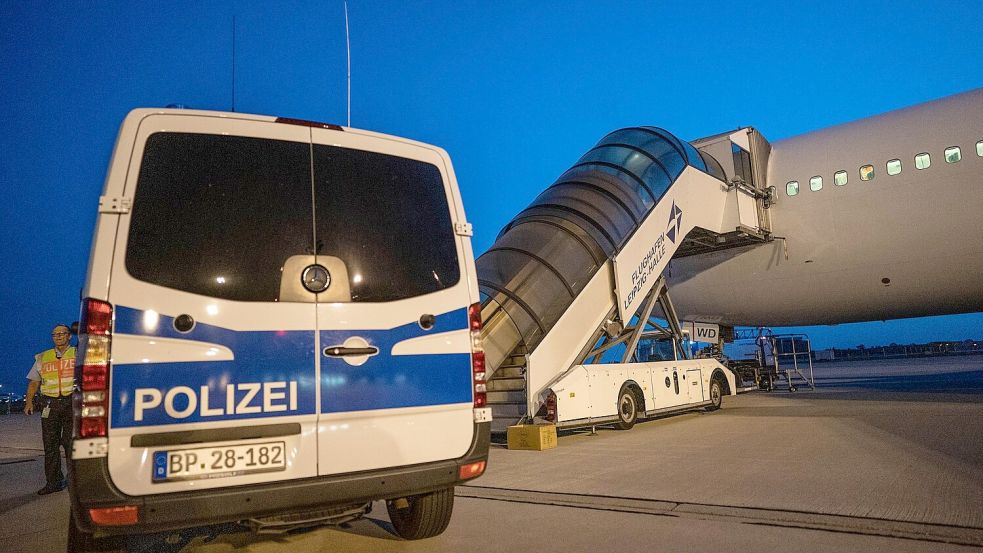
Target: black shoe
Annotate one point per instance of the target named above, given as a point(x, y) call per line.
point(53, 488)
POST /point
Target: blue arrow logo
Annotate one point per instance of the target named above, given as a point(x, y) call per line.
point(675, 222)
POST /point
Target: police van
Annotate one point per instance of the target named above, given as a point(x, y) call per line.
point(280, 326)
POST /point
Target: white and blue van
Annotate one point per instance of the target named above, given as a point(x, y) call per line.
point(280, 324)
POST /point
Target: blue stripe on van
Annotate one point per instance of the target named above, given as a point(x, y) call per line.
point(387, 381)
point(280, 356)
point(265, 365)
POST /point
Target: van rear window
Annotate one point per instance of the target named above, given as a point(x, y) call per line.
point(219, 216)
point(388, 219)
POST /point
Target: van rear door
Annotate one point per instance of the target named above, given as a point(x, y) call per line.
point(393, 338)
point(213, 378)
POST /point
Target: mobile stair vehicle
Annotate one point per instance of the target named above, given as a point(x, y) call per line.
point(579, 327)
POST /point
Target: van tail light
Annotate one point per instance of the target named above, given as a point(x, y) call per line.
point(115, 516)
point(92, 369)
point(471, 470)
point(551, 407)
point(477, 356)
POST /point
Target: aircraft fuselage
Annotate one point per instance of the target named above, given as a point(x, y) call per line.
point(898, 245)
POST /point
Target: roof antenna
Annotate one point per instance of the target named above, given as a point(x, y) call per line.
point(233, 63)
point(348, 49)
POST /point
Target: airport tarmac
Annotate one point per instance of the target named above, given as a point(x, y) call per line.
point(882, 456)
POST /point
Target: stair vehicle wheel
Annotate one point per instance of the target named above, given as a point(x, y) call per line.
point(422, 516)
point(627, 409)
point(716, 394)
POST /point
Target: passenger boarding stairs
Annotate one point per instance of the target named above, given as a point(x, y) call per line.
point(507, 387)
point(580, 270)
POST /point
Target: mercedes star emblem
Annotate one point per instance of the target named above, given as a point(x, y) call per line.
point(315, 278)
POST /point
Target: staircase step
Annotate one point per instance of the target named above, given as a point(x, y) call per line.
point(508, 410)
point(507, 397)
point(505, 415)
point(506, 384)
point(509, 372)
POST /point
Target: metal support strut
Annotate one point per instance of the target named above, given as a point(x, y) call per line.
point(613, 331)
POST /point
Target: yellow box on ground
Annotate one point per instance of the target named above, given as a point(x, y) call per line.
point(532, 436)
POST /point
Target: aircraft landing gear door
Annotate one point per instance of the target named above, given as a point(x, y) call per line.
point(211, 347)
point(392, 297)
point(695, 385)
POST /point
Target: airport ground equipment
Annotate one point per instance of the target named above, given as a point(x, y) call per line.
point(768, 358)
point(791, 354)
point(648, 374)
point(569, 278)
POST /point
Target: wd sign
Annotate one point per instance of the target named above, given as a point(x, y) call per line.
point(701, 332)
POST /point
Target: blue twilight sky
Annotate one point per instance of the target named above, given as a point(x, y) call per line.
point(515, 91)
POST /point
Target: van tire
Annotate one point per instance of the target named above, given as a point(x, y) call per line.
point(83, 542)
point(627, 408)
point(716, 394)
point(426, 515)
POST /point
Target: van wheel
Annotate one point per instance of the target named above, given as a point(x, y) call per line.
point(423, 516)
point(627, 409)
point(83, 542)
point(716, 394)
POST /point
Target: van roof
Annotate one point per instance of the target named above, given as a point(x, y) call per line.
point(140, 113)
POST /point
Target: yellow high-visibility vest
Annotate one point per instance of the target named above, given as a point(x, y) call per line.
point(57, 375)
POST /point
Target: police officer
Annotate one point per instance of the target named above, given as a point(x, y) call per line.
point(54, 373)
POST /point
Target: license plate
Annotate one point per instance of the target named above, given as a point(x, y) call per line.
point(218, 462)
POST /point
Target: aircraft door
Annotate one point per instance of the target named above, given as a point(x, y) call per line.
point(747, 206)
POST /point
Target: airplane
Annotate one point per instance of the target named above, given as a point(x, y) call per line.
point(874, 219)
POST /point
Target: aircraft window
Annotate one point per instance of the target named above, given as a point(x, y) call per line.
point(792, 187)
point(839, 178)
point(923, 161)
point(952, 155)
point(867, 172)
point(979, 148)
point(816, 183)
point(894, 167)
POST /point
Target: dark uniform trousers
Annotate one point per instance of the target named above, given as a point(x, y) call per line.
point(56, 430)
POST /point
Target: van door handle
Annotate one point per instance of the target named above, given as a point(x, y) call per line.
point(342, 351)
